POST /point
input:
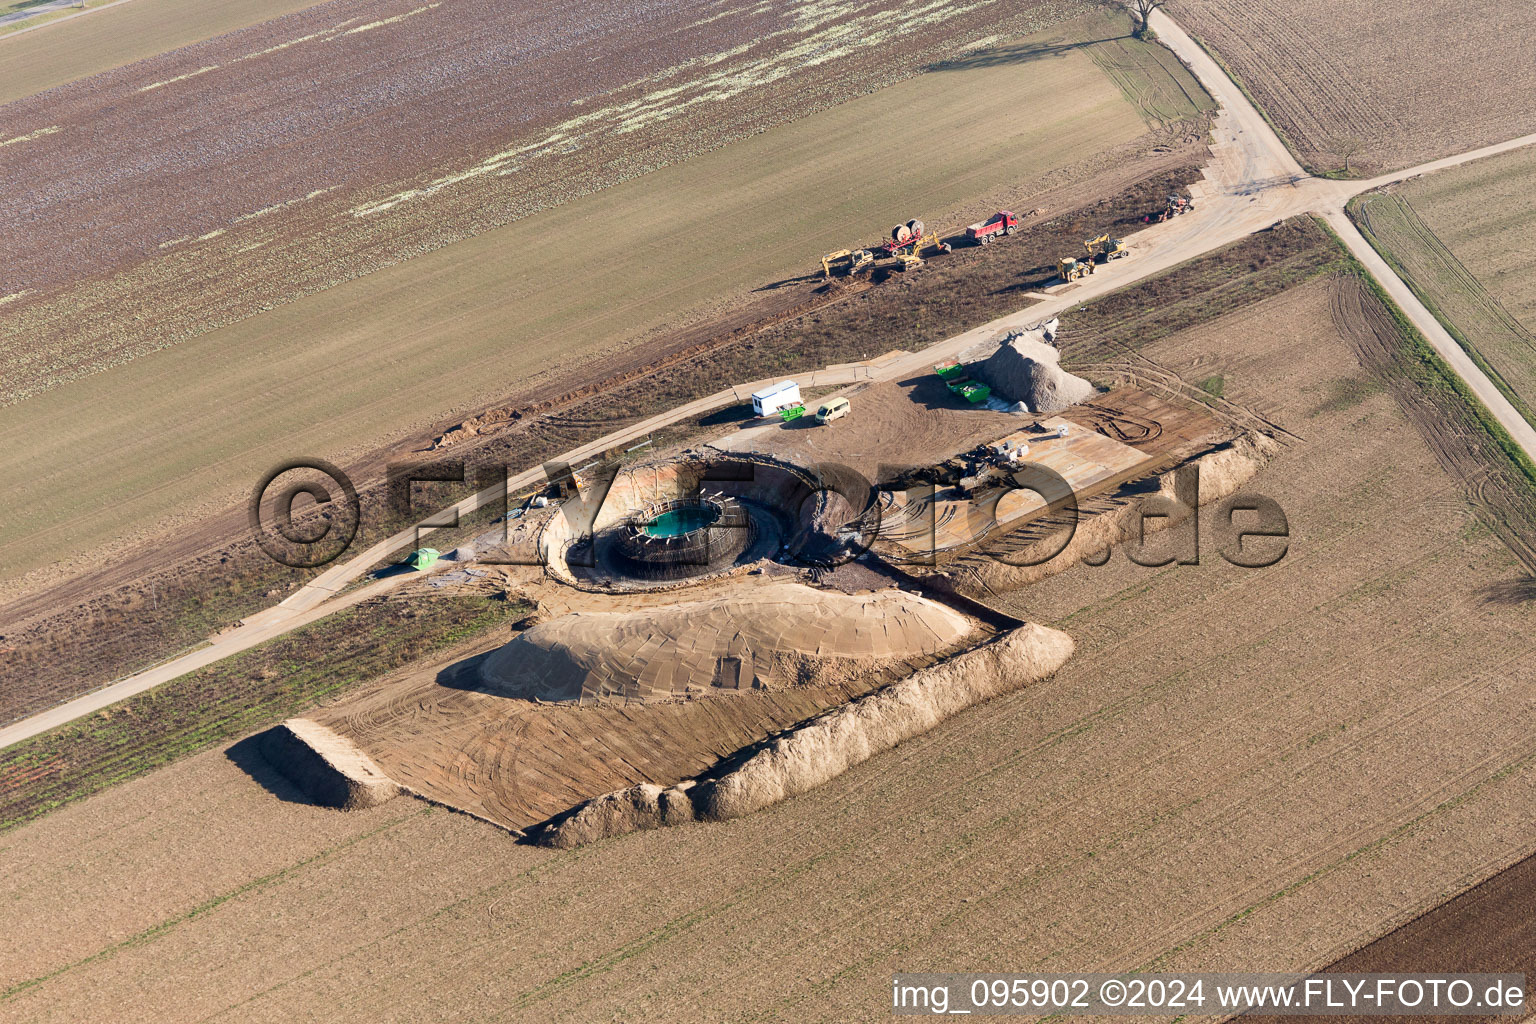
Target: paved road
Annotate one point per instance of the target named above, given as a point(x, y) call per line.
point(1251, 183)
point(45, 8)
point(32, 12)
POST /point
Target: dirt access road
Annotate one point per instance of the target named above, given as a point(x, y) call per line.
point(32, 12)
point(1252, 183)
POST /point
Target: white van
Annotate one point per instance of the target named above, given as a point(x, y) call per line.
point(783, 395)
point(832, 409)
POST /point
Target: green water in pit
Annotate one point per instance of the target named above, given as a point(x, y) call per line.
point(679, 521)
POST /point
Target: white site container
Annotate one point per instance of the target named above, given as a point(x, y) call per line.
point(783, 395)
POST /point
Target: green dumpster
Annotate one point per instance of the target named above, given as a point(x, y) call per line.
point(421, 558)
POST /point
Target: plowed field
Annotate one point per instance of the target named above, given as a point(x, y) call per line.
point(195, 188)
point(1239, 769)
point(1408, 83)
point(1463, 239)
point(106, 39)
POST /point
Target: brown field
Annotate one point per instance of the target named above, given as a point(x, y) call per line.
point(117, 262)
point(1462, 239)
point(325, 374)
point(229, 698)
point(1488, 928)
point(1411, 84)
point(1302, 757)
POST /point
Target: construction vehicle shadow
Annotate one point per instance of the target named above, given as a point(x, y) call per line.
point(1034, 279)
point(788, 282)
point(1021, 53)
point(1521, 590)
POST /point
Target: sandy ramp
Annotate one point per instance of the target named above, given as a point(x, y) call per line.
point(761, 637)
point(445, 733)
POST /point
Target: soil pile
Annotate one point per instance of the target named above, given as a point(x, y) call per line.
point(645, 806)
point(764, 637)
point(827, 746)
point(328, 767)
point(1025, 369)
point(830, 745)
point(1222, 472)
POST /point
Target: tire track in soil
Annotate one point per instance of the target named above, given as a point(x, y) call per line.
point(1458, 442)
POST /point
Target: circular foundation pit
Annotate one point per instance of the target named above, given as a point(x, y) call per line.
point(684, 537)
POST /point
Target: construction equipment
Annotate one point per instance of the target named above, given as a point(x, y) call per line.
point(421, 558)
point(846, 261)
point(1103, 249)
point(972, 391)
point(1070, 269)
point(1002, 222)
point(1177, 204)
point(907, 243)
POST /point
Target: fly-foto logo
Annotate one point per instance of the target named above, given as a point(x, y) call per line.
point(306, 513)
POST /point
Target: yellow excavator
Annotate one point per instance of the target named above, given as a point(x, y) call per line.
point(1103, 249)
point(846, 261)
point(907, 243)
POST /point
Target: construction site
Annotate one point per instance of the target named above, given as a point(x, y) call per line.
point(701, 607)
point(1121, 563)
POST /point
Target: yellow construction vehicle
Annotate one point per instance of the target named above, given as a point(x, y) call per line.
point(846, 261)
point(1071, 269)
point(907, 243)
point(1105, 248)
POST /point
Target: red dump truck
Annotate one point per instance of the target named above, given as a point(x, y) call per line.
point(1000, 223)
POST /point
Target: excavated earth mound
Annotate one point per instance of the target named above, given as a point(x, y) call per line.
point(777, 635)
point(822, 749)
point(1025, 369)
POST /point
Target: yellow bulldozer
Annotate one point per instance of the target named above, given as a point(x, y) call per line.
point(1071, 269)
point(1103, 249)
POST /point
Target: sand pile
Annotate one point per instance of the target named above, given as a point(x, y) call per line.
point(1025, 369)
point(615, 814)
point(761, 636)
point(830, 744)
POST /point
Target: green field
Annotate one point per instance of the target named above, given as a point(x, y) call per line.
point(1462, 239)
point(194, 426)
point(100, 40)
